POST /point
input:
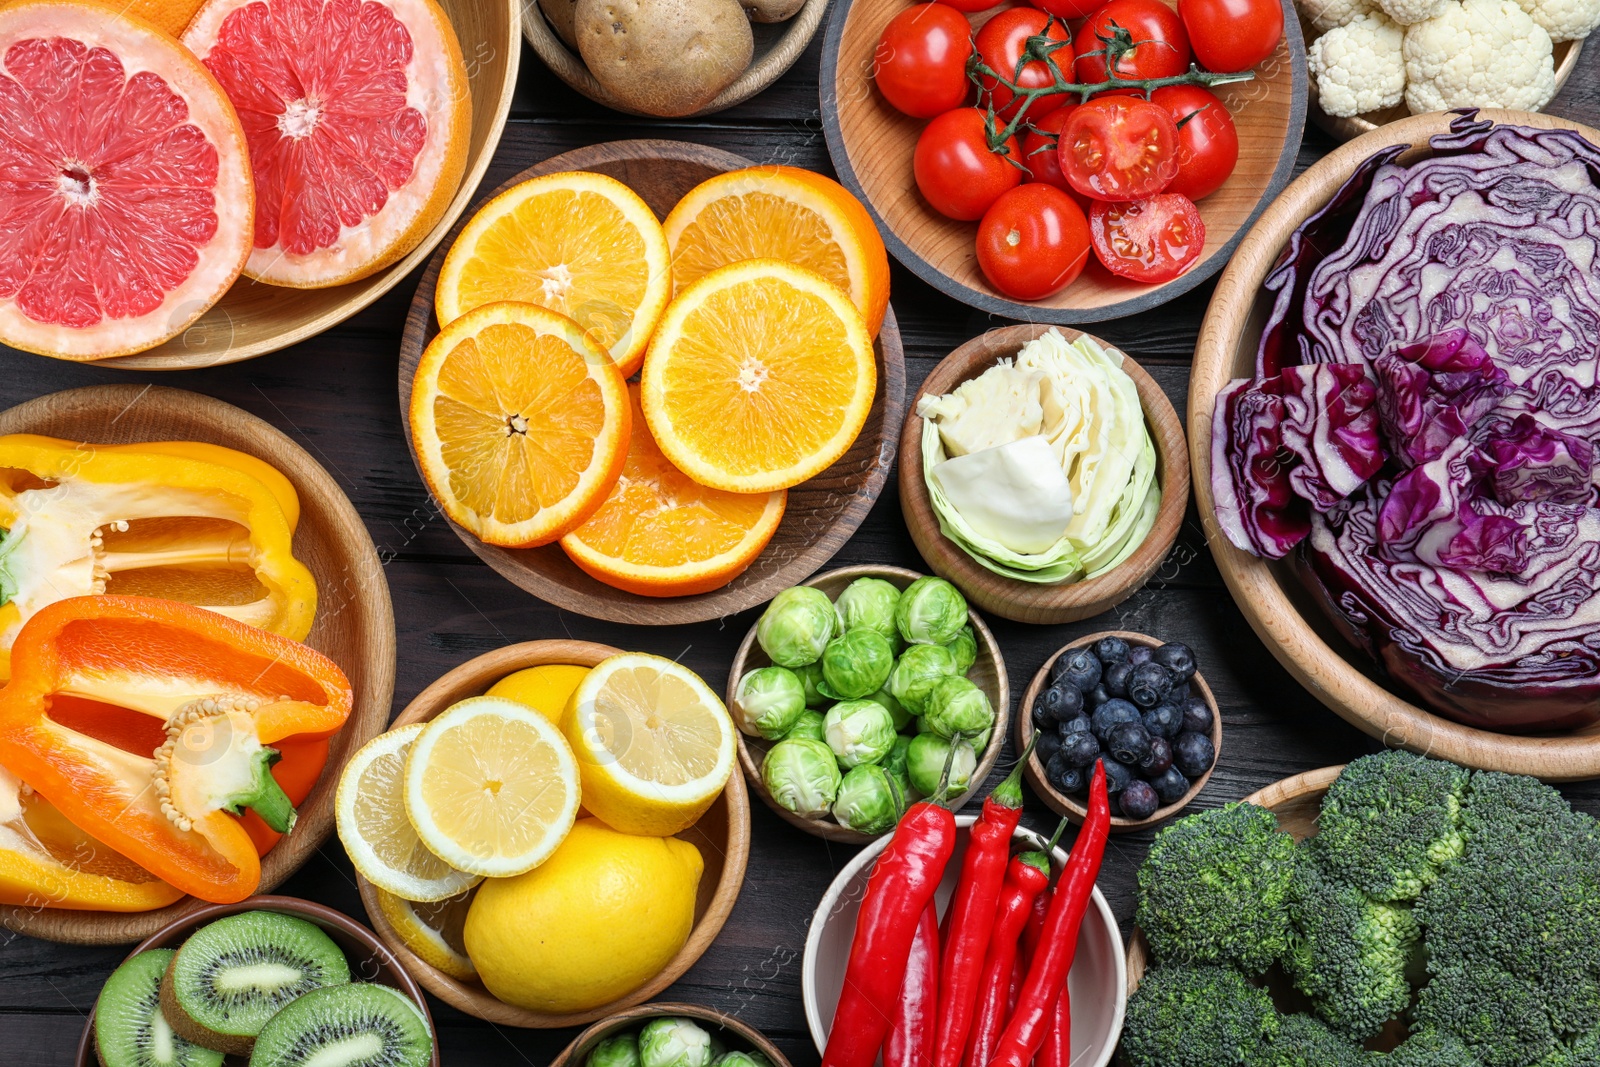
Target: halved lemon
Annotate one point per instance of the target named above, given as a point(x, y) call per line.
point(654, 744)
point(579, 243)
point(433, 931)
point(760, 376)
point(370, 812)
point(491, 786)
point(520, 424)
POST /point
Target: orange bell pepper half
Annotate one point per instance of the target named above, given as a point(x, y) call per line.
point(148, 724)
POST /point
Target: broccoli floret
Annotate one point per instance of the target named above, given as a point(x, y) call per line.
point(1303, 1041)
point(1429, 1048)
point(1349, 953)
point(1390, 822)
point(1499, 1017)
point(1199, 1016)
point(1215, 889)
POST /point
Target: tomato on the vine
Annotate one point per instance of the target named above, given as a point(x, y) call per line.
point(1033, 242)
point(1160, 42)
point(1039, 152)
point(921, 61)
point(955, 169)
point(1232, 35)
point(1208, 144)
point(1150, 241)
point(1119, 148)
point(1001, 44)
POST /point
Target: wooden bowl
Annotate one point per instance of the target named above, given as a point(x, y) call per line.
point(871, 144)
point(822, 513)
point(1270, 595)
point(1071, 807)
point(988, 672)
point(370, 961)
point(255, 318)
point(778, 45)
point(722, 835)
point(738, 1036)
point(1029, 601)
point(354, 625)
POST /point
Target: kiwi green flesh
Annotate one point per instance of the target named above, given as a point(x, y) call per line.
point(356, 1025)
point(129, 1029)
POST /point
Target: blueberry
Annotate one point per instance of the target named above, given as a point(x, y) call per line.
point(1196, 716)
point(1047, 745)
point(1139, 654)
point(1111, 713)
point(1178, 658)
point(1079, 750)
point(1118, 775)
point(1170, 786)
point(1072, 781)
point(1097, 696)
point(1164, 720)
point(1055, 704)
point(1159, 758)
point(1149, 684)
point(1180, 692)
point(1138, 800)
point(1057, 766)
point(1072, 703)
point(1109, 650)
point(1040, 713)
point(1116, 678)
point(1129, 743)
point(1077, 667)
point(1078, 724)
point(1193, 754)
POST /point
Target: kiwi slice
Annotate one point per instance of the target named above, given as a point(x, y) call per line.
point(129, 1029)
point(232, 975)
point(359, 1025)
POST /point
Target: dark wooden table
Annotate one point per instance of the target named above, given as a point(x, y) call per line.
point(336, 395)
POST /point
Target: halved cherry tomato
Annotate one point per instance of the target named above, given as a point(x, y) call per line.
point(1001, 43)
point(1119, 148)
point(955, 169)
point(1160, 42)
point(1232, 35)
point(1152, 240)
point(1033, 242)
point(921, 62)
point(1208, 144)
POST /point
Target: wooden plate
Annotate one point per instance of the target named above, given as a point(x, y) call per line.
point(370, 961)
point(988, 672)
point(871, 144)
point(354, 626)
point(1028, 601)
point(255, 318)
point(1270, 595)
point(1062, 804)
point(722, 835)
point(738, 1036)
point(778, 45)
point(822, 513)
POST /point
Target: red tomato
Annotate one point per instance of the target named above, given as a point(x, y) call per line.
point(1067, 9)
point(955, 170)
point(1119, 148)
point(1160, 43)
point(1208, 145)
point(921, 62)
point(1001, 43)
point(973, 5)
point(1039, 152)
point(1033, 242)
point(1152, 240)
point(1232, 35)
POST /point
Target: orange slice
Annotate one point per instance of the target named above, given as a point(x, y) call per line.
point(781, 213)
point(760, 376)
point(520, 424)
point(578, 243)
point(661, 534)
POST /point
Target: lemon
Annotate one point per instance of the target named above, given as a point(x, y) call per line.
point(491, 787)
point(654, 744)
point(432, 931)
point(598, 919)
point(545, 688)
point(370, 812)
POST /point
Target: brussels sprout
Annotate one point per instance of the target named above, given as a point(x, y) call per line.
point(797, 626)
point(931, 612)
point(858, 731)
point(718, 1048)
point(674, 1043)
point(980, 741)
point(856, 663)
point(807, 725)
point(620, 1051)
point(768, 701)
point(869, 603)
point(925, 760)
point(897, 710)
point(802, 775)
point(743, 1059)
point(894, 765)
point(956, 706)
point(915, 672)
point(869, 800)
point(965, 647)
point(811, 677)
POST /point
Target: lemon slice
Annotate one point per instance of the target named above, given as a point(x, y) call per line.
point(654, 744)
point(433, 931)
point(491, 786)
point(370, 811)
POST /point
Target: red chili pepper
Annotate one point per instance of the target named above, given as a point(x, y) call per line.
point(910, 1042)
point(1057, 1048)
point(1018, 972)
point(1035, 928)
point(1027, 876)
point(1047, 975)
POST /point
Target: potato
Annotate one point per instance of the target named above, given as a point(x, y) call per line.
point(664, 57)
point(563, 18)
point(772, 10)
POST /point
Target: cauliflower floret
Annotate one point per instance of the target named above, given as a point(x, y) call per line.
point(1359, 67)
point(1479, 53)
point(1409, 12)
point(1564, 20)
point(1326, 14)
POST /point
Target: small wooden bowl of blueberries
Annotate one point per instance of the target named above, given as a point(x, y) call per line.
point(1135, 702)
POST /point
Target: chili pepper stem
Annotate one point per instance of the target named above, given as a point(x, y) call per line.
point(1009, 792)
point(943, 797)
point(265, 797)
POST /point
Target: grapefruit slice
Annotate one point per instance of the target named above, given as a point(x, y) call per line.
point(357, 113)
point(127, 206)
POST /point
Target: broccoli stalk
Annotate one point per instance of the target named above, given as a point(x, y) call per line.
point(1198, 1016)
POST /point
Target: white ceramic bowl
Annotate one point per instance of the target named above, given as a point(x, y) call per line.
point(1098, 981)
